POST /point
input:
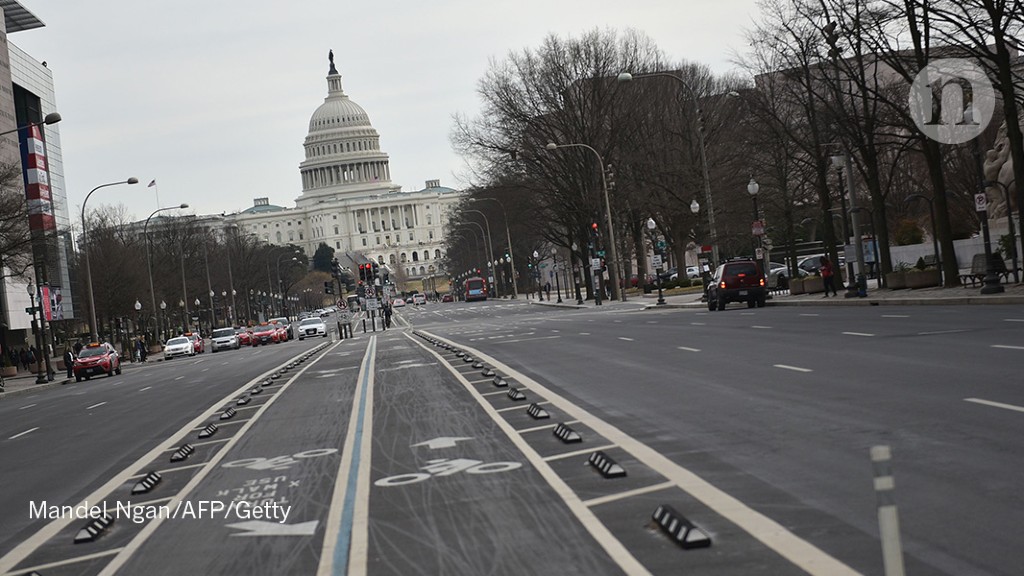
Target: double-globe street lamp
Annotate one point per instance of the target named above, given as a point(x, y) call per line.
point(627, 77)
point(508, 238)
point(149, 262)
point(554, 270)
point(93, 329)
point(651, 227)
point(613, 269)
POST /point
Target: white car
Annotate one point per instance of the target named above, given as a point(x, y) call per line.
point(397, 303)
point(180, 346)
point(418, 299)
point(224, 339)
point(312, 327)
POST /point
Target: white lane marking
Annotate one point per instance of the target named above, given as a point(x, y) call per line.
point(407, 366)
point(20, 434)
point(95, 406)
point(698, 324)
point(43, 567)
point(28, 406)
point(628, 494)
point(810, 315)
point(746, 313)
point(537, 428)
point(688, 349)
point(179, 378)
point(995, 404)
point(940, 332)
point(584, 333)
point(204, 370)
point(762, 327)
point(527, 339)
point(895, 315)
point(144, 389)
point(1013, 319)
point(626, 339)
point(798, 551)
point(794, 368)
point(578, 452)
point(1007, 347)
point(857, 334)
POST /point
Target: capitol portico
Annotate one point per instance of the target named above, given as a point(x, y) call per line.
point(348, 200)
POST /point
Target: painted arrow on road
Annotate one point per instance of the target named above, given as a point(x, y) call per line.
point(264, 528)
point(443, 442)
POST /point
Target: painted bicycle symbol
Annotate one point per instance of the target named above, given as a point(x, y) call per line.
point(446, 467)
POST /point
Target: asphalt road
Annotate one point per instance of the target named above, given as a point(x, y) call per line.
point(390, 453)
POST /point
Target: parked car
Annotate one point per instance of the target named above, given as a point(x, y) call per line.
point(287, 325)
point(224, 339)
point(418, 299)
point(244, 335)
point(198, 344)
point(779, 276)
point(96, 359)
point(447, 298)
point(179, 346)
point(265, 333)
point(312, 327)
point(397, 303)
point(737, 281)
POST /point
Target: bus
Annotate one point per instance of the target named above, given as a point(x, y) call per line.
point(475, 288)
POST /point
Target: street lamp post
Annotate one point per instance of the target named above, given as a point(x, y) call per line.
point(839, 162)
point(576, 276)
point(149, 262)
point(33, 291)
point(163, 312)
point(627, 77)
point(554, 270)
point(536, 274)
point(613, 270)
point(752, 189)
point(508, 238)
point(93, 330)
point(138, 310)
point(184, 315)
point(490, 243)
point(651, 226)
point(280, 286)
point(199, 325)
point(935, 238)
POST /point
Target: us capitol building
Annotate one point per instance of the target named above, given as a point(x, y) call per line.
point(348, 200)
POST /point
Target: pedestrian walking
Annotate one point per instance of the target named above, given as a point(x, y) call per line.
point(828, 275)
point(547, 290)
point(23, 356)
point(387, 315)
point(69, 362)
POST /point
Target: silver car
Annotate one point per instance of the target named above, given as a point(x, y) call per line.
point(312, 327)
point(224, 339)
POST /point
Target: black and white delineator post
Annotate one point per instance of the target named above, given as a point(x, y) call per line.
point(888, 520)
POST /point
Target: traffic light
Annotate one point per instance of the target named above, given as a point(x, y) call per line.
point(375, 271)
point(328, 287)
point(594, 230)
point(335, 268)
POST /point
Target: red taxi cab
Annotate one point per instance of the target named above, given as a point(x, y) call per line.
point(198, 346)
point(244, 336)
point(265, 333)
point(96, 359)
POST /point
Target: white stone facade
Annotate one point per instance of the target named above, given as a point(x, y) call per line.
point(348, 200)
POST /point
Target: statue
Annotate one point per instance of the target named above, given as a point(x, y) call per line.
point(998, 167)
point(330, 58)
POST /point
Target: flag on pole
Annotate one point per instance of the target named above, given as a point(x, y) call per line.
point(151, 184)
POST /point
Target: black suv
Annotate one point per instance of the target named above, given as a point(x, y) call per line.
point(737, 281)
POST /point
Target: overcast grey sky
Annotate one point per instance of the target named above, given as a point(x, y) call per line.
point(213, 99)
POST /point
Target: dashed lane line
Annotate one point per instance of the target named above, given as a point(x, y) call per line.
point(793, 368)
point(20, 434)
point(628, 494)
point(688, 349)
point(95, 406)
point(1008, 347)
point(857, 334)
point(995, 404)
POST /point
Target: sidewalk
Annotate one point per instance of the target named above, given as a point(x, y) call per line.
point(1013, 294)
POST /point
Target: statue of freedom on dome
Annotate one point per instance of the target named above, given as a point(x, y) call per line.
point(330, 58)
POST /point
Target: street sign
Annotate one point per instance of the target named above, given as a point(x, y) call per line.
point(757, 228)
point(981, 202)
point(372, 304)
point(759, 253)
point(595, 263)
point(656, 260)
point(660, 244)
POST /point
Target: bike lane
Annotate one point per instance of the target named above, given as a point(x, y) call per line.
point(262, 508)
point(447, 492)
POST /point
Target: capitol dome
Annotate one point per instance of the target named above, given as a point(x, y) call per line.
point(338, 111)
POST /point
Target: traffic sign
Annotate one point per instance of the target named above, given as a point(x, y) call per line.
point(595, 263)
point(981, 202)
point(757, 228)
point(656, 260)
